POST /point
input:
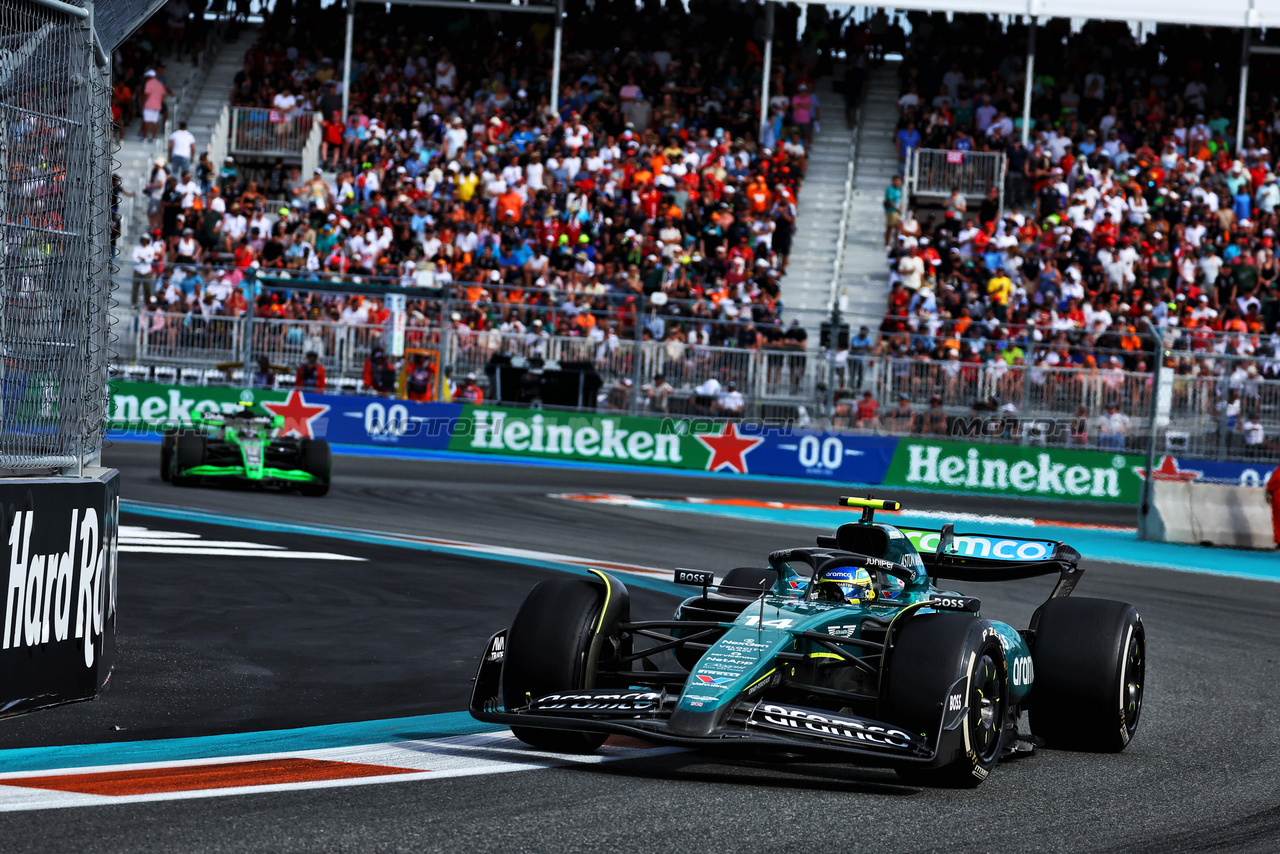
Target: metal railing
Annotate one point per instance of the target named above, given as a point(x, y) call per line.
point(1231, 415)
point(936, 173)
point(267, 133)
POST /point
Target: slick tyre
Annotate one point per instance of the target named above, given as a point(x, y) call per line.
point(188, 452)
point(547, 651)
point(1090, 671)
point(166, 454)
point(930, 653)
point(317, 462)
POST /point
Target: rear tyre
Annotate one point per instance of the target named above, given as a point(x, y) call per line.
point(1090, 671)
point(547, 652)
point(188, 452)
point(316, 462)
point(929, 654)
point(166, 454)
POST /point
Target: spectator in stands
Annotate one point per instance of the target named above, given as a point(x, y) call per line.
point(153, 95)
point(866, 411)
point(469, 391)
point(144, 258)
point(182, 147)
point(730, 403)
point(619, 396)
point(934, 420)
point(379, 373)
point(1113, 428)
point(1079, 434)
point(902, 418)
point(892, 206)
point(311, 373)
point(265, 375)
point(657, 394)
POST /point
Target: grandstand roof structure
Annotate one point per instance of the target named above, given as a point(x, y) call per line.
point(1223, 13)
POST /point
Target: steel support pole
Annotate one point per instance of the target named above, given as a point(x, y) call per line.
point(1244, 89)
point(555, 57)
point(346, 60)
point(1156, 369)
point(246, 329)
point(768, 67)
point(1026, 88)
point(637, 355)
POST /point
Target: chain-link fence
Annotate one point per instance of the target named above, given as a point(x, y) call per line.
point(54, 230)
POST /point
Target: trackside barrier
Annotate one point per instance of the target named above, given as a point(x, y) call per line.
point(58, 564)
point(696, 444)
point(1208, 514)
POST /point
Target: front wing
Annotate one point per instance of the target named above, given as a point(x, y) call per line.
point(238, 472)
point(753, 724)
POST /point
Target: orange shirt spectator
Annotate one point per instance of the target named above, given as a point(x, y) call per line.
point(758, 196)
point(509, 205)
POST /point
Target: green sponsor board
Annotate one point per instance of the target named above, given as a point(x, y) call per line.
point(1003, 470)
point(151, 406)
point(574, 436)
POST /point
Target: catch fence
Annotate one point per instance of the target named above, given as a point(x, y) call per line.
point(1212, 405)
point(55, 123)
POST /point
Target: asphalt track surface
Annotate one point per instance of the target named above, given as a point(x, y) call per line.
point(209, 646)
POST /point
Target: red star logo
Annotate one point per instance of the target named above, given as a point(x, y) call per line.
point(297, 414)
point(1168, 470)
point(728, 449)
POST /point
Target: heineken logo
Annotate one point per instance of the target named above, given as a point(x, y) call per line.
point(172, 406)
point(929, 465)
point(595, 438)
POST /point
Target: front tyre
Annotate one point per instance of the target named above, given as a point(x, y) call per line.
point(316, 461)
point(930, 653)
point(189, 451)
point(166, 453)
point(1090, 672)
point(547, 647)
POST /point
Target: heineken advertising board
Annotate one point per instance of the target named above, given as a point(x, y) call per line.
point(750, 448)
point(1015, 470)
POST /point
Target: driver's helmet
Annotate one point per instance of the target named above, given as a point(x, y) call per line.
point(847, 584)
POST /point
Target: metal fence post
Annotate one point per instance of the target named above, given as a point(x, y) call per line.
point(246, 330)
point(444, 343)
point(637, 353)
point(1157, 368)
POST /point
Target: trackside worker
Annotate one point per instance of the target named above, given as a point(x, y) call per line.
point(311, 373)
point(1273, 498)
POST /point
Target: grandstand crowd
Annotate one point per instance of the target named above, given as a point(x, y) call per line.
point(453, 169)
point(1129, 207)
point(645, 206)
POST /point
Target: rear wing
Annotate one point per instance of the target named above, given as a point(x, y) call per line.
point(987, 557)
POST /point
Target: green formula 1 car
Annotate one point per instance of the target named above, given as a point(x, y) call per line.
point(849, 650)
point(239, 447)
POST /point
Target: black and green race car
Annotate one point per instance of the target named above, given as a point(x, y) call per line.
point(849, 650)
point(240, 447)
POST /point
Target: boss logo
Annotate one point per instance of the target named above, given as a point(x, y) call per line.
point(955, 702)
point(695, 578)
point(956, 603)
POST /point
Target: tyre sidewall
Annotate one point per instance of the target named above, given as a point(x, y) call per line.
point(930, 653)
point(547, 652)
point(1078, 699)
